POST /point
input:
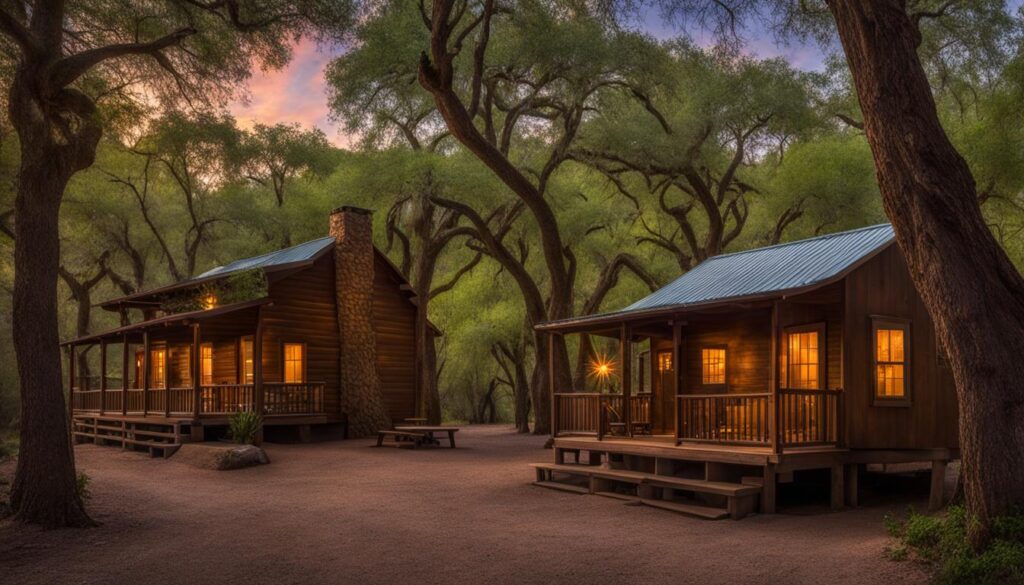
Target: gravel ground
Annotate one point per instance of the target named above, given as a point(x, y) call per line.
point(342, 512)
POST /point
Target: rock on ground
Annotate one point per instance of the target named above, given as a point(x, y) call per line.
point(220, 456)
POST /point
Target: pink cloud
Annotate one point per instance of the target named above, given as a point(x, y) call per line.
point(296, 93)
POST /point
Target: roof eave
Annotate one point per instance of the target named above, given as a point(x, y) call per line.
point(573, 325)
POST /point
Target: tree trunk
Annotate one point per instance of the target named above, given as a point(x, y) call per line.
point(44, 490)
point(423, 280)
point(971, 289)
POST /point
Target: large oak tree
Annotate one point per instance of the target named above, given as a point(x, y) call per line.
point(69, 58)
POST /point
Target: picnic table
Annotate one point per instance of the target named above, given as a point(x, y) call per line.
point(428, 432)
point(415, 420)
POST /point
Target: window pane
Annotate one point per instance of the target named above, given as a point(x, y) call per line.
point(293, 362)
point(713, 365)
point(890, 356)
point(247, 370)
point(803, 361)
point(206, 359)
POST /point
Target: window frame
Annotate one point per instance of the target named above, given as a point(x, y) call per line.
point(305, 360)
point(887, 322)
point(241, 359)
point(202, 364)
point(162, 350)
point(725, 366)
point(819, 328)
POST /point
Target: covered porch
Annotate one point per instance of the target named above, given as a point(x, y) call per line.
point(705, 377)
point(199, 366)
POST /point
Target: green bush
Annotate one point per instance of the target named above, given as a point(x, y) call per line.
point(941, 541)
point(244, 426)
point(8, 448)
point(82, 485)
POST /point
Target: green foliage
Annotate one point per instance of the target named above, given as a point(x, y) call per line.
point(247, 285)
point(8, 446)
point(941, 541)
point(243, 426)
point(82, 481)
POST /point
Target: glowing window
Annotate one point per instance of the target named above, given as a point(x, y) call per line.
point(247, 360)
point(294, 363)
point(890, 360)
point(802, 364)
point(665, 362)
point(712, 365)
point(158, 370)
point(206, 360)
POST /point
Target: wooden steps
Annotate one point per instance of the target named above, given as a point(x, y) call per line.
point(159, 437)
point(707, 512)
point(654, 490)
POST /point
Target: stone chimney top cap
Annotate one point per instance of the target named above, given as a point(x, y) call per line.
point(352, 209)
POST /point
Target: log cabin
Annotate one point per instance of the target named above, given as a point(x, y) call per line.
point(286, 334)
point(811, 357)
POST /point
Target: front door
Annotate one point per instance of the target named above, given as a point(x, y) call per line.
point(664, 393)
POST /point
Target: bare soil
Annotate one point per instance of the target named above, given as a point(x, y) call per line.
point(343, 512)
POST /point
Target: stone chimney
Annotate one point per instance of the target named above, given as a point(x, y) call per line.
point(362, 399)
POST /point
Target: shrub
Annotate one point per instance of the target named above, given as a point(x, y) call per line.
point(8, 449)
point(82, 485)
point(244, 425)
point(941, 541)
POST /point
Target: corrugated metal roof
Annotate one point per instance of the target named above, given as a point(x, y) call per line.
point(762, 271)
point(299, 253)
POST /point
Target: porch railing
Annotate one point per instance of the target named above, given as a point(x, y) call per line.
point(594, 413)
point(214, 399)
point(724, 418)
point(804, 418)
point(810, 417)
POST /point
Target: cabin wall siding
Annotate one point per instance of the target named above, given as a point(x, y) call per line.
point(883, 287)
point(745, 335)
point(394, 325)
point(304, 311)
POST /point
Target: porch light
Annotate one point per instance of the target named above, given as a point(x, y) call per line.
point(601, 368)
point(208, 301)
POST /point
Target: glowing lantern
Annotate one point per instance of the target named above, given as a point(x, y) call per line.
point(208, 301)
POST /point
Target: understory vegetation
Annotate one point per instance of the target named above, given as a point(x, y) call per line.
point(941, 541)
point(650, 154)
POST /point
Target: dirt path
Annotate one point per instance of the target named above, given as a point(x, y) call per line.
point(342, 512)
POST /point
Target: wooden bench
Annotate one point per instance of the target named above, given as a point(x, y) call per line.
point(428, 432)
point(741, 499)
point(401, 438)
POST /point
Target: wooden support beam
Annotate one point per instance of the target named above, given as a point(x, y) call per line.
point(937, 496)
point(103, 376)
point(257, 371)
point(837, 487)
point(768, 490)
point(626, 356)
point(677, 374)
point(852, 484)
point(145, 372)
point(551, 385)
point(71, 382)
point(773, 381)
point(197, 371)
point(124, 374)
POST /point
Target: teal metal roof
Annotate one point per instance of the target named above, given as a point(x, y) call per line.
point(300, 253)
point(760, 272)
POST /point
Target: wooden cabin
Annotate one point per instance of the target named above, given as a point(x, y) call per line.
point(811, 355)
point(269, 334)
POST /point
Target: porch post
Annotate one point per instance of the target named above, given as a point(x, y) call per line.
point(103, 375)
point(168, 360)
point(677, 373)
point(197, 371)
point(145, 372)
point(124, 374)
point(257, 371)
point(551, 384)
point(627, 378)
point(71, 381)
point(773, 381)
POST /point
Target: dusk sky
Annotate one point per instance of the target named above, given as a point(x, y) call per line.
point(297, 93)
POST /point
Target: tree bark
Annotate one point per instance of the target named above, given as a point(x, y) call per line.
point(971, 289)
